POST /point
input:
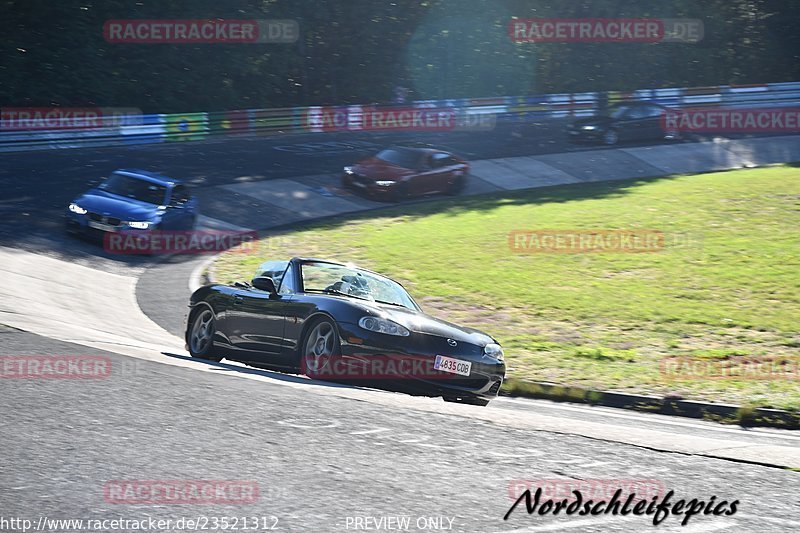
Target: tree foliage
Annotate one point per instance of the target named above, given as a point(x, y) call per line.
point(357, 51)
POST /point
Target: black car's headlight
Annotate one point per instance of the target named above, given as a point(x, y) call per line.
point(75, 208)
point(381, 325)
point(588, 127)
point(348, 170)
point(494, 351)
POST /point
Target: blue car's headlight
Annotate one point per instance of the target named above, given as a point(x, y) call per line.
point(381, 325)
point(494, 351)
point(78, 210)
point(139, 225)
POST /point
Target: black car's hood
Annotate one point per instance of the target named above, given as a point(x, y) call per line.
point(599, 121)
point(419, 322)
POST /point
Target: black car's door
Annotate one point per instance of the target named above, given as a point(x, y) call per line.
point(653, 128)
point(297, 312)
point(633, 124)
point(255, 325)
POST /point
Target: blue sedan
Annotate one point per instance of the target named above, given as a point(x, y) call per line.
point(131, 200)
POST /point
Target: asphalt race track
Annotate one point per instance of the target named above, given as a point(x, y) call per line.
point(38, 185)
point(324, 457)
point(319, 459)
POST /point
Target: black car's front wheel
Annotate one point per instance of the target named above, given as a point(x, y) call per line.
point(611, 137)
point(321, 347)
point(200, 338)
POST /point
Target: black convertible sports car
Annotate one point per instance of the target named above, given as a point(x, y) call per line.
point(342, 323)
point(631, 121)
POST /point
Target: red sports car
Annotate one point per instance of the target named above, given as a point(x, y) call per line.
point(397, 173)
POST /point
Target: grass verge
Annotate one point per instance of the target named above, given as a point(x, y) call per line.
point(723, 290)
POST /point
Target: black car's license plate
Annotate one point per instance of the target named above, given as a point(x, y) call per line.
point(452, 366)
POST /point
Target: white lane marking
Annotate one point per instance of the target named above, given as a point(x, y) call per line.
point(367, 432)
point(564, 524)
point(408, 438)
point(598, 463)
point(644, 417)
point(459, 444)
point(781, 521)
point(310, 423)
point(195, 278)
point(698, 527)
point(516, 455)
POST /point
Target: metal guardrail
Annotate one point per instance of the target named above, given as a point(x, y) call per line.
point(467, 113)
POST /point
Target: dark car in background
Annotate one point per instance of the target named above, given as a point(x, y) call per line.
point(132, 200)
point(342, 323)
point(641, 120)
point(402, 172)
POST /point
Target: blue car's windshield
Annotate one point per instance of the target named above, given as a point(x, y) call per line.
point(131, 187)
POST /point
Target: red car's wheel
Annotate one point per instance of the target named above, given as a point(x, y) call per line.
point(458, 185)
point(400, 192)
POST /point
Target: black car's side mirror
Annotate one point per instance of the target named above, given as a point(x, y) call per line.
point(265, 283)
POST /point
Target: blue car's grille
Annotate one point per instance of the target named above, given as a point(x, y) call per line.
point(105, 220)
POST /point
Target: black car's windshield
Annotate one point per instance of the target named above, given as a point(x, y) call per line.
point(135, 188)
point(351, 281)
point(400, 157)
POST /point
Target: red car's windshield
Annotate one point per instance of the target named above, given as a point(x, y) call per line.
point(400, 157)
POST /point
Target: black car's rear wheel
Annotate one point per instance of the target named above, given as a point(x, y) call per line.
point(201, 336)
point(321, 348)
point(469, 400)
